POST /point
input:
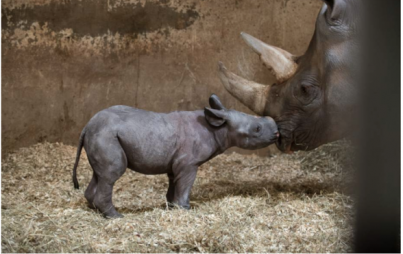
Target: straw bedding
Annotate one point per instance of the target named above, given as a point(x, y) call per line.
point(240, 203)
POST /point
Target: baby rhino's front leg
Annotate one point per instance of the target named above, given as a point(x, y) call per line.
point(180, 185)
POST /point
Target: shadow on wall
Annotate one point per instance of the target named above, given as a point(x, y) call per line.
point(95, 18)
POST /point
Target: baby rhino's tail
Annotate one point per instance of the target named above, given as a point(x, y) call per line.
point(80, 146)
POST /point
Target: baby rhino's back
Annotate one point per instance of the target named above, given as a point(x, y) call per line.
point(148, 139)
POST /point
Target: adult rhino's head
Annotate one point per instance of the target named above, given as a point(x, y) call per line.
point(312, 96)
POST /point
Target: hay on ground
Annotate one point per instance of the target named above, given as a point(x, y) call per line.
point(285, 203)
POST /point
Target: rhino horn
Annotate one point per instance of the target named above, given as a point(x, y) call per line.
point(251, 94)
point(279, 61)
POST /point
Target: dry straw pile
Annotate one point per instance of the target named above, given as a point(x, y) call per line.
point(285, 203)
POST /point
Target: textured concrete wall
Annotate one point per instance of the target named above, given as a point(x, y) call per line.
point(62, 61)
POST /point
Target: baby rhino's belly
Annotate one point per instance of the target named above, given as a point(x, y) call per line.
point(150, 152)
point(151, 162)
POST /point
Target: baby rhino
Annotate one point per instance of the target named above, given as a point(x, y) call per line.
point(175, 144)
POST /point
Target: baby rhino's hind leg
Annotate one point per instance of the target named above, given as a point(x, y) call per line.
point(109, 163)
point(171, 190)
point(91, 190)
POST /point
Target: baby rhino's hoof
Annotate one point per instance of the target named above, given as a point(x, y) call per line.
point(113, 215)
point(173, 206)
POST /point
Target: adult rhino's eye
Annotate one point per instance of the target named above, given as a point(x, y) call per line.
point(334, 12)
point(306, 93)
point(258, 128)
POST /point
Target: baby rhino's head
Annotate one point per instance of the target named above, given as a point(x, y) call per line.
point(244, 131)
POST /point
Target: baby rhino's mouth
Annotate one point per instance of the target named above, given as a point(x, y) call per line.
point(275, 137)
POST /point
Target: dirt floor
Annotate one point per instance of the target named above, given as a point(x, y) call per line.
point(285, 203)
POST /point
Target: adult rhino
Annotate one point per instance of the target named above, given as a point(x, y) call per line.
point(313, 96)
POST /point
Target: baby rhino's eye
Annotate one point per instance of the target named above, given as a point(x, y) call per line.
point(258, 128)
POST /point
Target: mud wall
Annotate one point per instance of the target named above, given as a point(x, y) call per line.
point(64, 60)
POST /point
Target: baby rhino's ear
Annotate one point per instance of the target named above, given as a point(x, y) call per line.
point(215, 102)
point(214, 117)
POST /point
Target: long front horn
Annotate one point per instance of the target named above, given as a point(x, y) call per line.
point(278, 60)
point(251, 94)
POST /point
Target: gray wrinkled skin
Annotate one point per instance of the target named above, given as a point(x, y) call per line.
point(152, 143)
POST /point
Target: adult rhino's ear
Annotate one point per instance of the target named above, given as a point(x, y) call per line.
point(335, 11)
point(215, 102)
point(215, 117)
